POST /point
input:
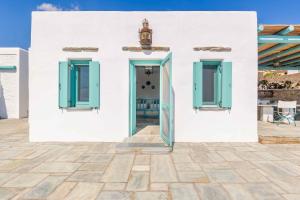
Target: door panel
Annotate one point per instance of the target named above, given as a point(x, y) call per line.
point(166, 99)
point(132, 99)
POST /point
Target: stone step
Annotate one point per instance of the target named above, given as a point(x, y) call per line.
point(153, 148)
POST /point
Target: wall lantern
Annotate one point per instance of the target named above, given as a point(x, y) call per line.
point(145, 35)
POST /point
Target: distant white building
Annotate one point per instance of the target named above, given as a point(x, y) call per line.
point(92, 80)
point(13, 83)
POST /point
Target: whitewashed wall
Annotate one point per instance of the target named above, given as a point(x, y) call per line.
point(110, 31)
point(14, 83)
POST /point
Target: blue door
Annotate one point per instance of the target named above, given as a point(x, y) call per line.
point(166, 101)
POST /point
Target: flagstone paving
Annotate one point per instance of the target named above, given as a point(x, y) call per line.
point(218, 171)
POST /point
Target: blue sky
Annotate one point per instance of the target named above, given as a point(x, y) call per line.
point(15, 15)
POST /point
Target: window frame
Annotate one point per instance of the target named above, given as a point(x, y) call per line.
point(75, 103)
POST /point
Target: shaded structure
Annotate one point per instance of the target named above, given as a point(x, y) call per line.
point(279, 47)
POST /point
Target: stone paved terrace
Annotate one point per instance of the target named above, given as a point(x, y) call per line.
point(213, 171)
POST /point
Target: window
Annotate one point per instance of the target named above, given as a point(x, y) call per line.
point(212, 84)
point(79, 84)
point(82, 83)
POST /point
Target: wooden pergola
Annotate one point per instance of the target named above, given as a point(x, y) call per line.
point(279, 47)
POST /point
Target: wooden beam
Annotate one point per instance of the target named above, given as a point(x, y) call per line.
point(286, 31)
point(278, 39)
point(291, 62)
point(286, 58)
point(140, 49)
point(264, 52)
point(263, 67)
point(260, 28)
point(80, 49)
point(280, 54)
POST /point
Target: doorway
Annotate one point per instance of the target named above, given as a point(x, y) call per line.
point(147, 98)
point(151, 98)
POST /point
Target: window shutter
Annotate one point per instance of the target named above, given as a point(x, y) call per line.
point(63, 85)
point(197, 84)
point(94, 84)
point(226, 101)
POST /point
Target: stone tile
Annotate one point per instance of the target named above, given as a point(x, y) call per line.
point(36, 154)
point(238, 192)
point(251, 175)
point(43, 189)
point(93, 167)
point(288, 184)
point(9, 154)
point(138, 181)
point(211, 191)
point(187, 167)
point(86, 176)
point(162, 169)
point(224, 176)
point(7, 193)
point(9, 165)
point(181, 158)
point(272, 169)
point(25, 180)
point(262, 191)
point(243, 148)
point(52, 167)
point(291, 196)
point(242, 164)
point(183, 191)
point(289, 166)
point(97, 158)
point(141, 168)
point(4, 177)
point(284, 155)
point(151, 196)
point(114, 186)
point(229, 156)
point(69, 156)
point(159, 187)
point(221, 165)
point(119, 169)
point(114, 195)
point(266, 155)
point(248, 155)
point(62, 191)
point(200, 157)
point(85, 191)
point(142, 160)
point(193, 176)
point(215, 157)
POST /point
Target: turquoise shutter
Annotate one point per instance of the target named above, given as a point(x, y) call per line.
point(197, 84)
point(63, 85)
point(94, 84)
point(226, 100)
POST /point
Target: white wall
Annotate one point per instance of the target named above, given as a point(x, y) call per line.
point(23, 84)
point(14, 83)
point(110, 31)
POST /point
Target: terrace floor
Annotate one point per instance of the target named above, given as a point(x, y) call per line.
point(272, 133)
point(192, 171)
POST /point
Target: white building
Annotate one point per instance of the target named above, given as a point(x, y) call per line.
point(90, 79)
point(13, 83)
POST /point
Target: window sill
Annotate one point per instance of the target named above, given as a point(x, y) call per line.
point(212, 108)
point(79, 108)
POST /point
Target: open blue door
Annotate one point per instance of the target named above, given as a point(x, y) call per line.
point(166, 101)
point(132, 100)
